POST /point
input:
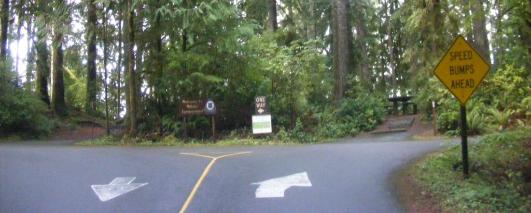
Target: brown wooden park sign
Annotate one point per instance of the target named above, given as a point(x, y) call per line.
point(199, 107)
point(191, 107)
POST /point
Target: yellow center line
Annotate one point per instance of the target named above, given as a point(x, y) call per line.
point(203, 175)
point(198, 155)
point(233, 154)
point(196, 186)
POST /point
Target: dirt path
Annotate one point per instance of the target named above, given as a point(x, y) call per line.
point(79, 134)
point(410, 193)
point(411, 124)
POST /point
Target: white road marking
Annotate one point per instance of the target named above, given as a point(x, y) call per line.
point(116, 187)
point(277, 186)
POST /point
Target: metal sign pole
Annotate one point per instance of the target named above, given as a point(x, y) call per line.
point(185, 131)
point(434, 117)
point(213, 128)
point(464, 142)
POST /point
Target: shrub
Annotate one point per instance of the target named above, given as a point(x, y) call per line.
point(300, 135)
point(354, 115)
point(171, 126)
point(500, 175)
point(501, 101)
point(21, 112)
point(282, 135)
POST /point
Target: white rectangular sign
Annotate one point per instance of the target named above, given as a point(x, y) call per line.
point(262, 124)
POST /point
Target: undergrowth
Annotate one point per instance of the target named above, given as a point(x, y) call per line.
point(500, 175)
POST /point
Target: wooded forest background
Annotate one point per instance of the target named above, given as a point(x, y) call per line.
point(326, 66)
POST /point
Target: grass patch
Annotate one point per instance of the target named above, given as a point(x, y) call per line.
point(172, 141)
point(500, 179)
point(11, 138)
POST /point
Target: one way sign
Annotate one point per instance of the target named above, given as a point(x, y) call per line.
point(260, 105)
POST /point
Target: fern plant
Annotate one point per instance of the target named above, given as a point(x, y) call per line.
point(501, 118)
point(476, 122)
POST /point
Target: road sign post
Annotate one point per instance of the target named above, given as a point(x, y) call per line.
point(464, 141)
point(434, 117)
point(198, 107)
point(211, 110)
point(262, 119)
point(461, 70)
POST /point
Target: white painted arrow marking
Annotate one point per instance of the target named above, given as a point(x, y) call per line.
point(116, 187)
point(277, 186)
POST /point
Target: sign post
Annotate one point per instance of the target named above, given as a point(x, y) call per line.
point(464, 140)
point(189, 108)
point(199, 107)
point(461, 70)
point(434, 117)
point(210, 109)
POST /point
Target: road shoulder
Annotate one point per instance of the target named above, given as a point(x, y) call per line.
point(411, 196)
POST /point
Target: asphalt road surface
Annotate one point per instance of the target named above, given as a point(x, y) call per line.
point(347, 176)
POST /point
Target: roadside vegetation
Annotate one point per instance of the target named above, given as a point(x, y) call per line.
point(500, 175)
point(119, 64)
point(20, 111)
point(503, 101)
point(177, 142)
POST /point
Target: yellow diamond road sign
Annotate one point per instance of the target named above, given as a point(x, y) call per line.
point(461, 69)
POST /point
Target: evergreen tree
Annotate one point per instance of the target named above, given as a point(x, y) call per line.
point(58, 88)
point(43, 65)
point(341, 46)
point(92, 89)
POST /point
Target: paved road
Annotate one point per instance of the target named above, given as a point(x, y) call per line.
point(348, 176)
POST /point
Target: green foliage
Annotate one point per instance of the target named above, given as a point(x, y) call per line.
point(501, 101)
point(76, 87)
point(282, 135)
point(354, 115)
point(299, 134)
point(476, 122)
point(171, 140)
point(171, 126)
point(507, 88)
point(501, 118)
point(20, 112)
point(499, 181)
point(220, 49)
point(303, 66)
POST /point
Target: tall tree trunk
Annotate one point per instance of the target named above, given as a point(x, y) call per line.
point(342, 37)
point(468, 28)
point(139, 60)
point(391, 49)
point(4, 21)
point(130, 72)
point(90, 105)
point(43, 66)
point(272, 23)
point(20, 15)
point(312, 24)
point(361, 29)
point(30, 54)
point(481, 40)
point(119, 66)
point(160, 70)
point(105, 58)
point(436, 29)
point(272, 26)
point(382, 63)
point(498, 49)
point(58, 88)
